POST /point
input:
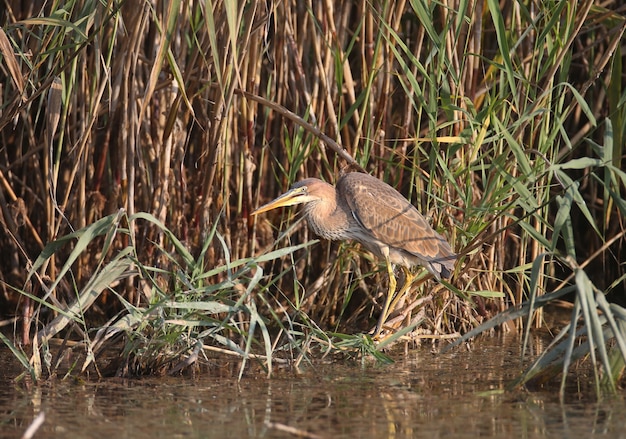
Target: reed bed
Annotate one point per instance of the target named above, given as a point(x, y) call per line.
point(138, 136)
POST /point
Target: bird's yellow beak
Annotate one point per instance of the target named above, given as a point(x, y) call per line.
point(292, 197)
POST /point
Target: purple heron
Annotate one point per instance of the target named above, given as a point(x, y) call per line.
point(367, 210)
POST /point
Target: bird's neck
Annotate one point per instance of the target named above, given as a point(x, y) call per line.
point(327, 219)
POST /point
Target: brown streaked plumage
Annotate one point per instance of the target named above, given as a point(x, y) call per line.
point(367, 210)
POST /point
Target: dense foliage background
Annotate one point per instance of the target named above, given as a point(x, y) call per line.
point(503, 122)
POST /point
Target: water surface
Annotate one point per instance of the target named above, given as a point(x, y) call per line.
point(423, 394)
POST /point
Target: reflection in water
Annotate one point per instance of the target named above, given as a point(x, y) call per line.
point(423, 394)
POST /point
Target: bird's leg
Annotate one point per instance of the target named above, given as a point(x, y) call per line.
point(390, 294)
point(391, 302)
point(409, 277)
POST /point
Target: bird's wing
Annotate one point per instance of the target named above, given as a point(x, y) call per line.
point(391, 219)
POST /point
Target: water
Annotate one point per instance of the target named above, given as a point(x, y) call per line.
point(423, 394)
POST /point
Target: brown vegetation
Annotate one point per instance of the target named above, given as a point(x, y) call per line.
point(490, 117)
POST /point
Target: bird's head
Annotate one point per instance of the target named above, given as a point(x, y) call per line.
point(301, 192)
